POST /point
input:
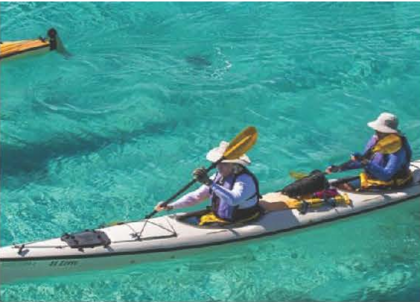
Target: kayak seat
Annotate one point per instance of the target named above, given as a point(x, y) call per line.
point(195, 219)
point(86, 239)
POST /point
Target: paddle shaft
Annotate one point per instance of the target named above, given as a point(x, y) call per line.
point(183, 189)
point(335, 169)
point(360, 158)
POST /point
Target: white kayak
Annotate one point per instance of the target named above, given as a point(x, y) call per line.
point(167, 237)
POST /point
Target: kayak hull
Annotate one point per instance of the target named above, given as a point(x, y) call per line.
point(166, 237)
point(13, 271)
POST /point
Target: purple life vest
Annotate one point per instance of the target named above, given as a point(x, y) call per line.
point(221, 208)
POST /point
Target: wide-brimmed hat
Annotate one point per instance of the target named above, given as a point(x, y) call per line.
point(385, 123)
point(216, 153)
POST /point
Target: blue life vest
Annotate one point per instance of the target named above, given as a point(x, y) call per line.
point(401, 178)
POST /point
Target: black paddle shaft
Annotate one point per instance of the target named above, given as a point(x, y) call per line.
point(365, 155)
point(212, 166)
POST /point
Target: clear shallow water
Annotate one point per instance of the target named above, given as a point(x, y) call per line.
point(152, 86)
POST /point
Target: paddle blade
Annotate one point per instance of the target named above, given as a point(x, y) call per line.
point(243, 142)
point(297, 175)
point(388, 145)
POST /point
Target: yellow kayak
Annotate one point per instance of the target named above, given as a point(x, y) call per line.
point(15, 49)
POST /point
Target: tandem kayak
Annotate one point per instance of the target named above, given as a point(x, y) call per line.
point(22, 48)
point(170, 236)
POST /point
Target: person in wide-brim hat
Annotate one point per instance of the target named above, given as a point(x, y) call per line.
point(233, 190)
point(382, 170)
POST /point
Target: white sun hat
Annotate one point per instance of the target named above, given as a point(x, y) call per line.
point(385, 123)
point(216, 153)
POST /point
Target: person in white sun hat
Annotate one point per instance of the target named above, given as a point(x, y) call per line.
point(233, 190)
point(382, 170)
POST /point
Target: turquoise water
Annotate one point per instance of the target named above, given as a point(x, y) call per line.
point(152, 86)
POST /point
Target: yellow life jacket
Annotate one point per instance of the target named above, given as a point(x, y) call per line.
point(367, 182)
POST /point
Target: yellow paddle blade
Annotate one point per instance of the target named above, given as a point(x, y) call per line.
point(241, 143)
point(388, 145)
point(297, 175)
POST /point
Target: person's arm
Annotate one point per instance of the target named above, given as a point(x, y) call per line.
point(192, 198)
point(356, 164)
point(351, 165)
point(395, 162)
point(243, 189)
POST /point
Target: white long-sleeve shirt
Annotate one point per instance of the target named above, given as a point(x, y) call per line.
point(243, 189)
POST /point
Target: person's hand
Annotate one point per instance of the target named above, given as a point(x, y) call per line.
point(332, 169)
point(356, 156)
point(201, 176)
point(161, 207)
point(364, 161)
